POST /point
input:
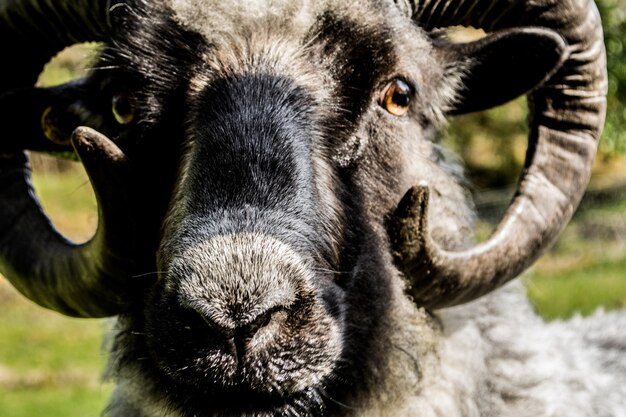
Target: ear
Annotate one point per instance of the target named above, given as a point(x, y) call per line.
point(504, 65)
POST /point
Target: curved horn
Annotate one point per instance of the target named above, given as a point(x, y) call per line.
point(567, 115)
point(89, 280)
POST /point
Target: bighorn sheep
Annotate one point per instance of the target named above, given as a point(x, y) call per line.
point(276, 162)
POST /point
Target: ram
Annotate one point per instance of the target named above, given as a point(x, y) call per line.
point(280, 233)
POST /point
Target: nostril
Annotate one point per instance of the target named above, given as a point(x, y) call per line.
point(249, 330)
point(215, 327)
point(199, 320)
point(259, 322)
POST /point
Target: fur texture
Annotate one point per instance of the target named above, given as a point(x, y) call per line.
point(277, 294)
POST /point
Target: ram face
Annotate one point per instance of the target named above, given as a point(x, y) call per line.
point(270, 187)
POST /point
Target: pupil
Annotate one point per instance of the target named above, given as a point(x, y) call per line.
point(122, 106)
point(123, 109)
point(400, 98)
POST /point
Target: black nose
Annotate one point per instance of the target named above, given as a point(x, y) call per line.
point(238, 329)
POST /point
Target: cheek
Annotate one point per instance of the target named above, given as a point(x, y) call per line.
point(351, 151)
point(383, 165)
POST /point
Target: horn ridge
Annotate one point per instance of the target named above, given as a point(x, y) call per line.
point(566, 118)
point(89, 280)
point(94, 279)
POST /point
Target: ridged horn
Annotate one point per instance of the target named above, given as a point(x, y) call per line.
point(88, 280)
point(566, 118)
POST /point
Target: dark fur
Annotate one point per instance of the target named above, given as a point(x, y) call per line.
point(286, 143)
point(262, 179)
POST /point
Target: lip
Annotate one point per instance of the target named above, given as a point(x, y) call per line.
point(239, 401)
point(232, 401)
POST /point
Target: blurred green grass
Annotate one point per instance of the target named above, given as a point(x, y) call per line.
point(570, 291)
point(68, 401)
point(587, 266)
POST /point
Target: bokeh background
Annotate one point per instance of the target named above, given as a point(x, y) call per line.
point(51, 366)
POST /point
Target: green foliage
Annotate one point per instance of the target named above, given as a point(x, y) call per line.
point(586, 266)
point(51, 365)
point(67, 196)
point(614, 22)
point(71, 63)
point(492, 144)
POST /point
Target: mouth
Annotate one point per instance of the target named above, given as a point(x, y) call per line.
point(242, 402)
point(146, 378)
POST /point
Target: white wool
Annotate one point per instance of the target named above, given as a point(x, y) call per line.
point(496, 357)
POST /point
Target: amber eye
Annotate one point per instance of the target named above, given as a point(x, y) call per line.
point(123, 107)
point(396, 97)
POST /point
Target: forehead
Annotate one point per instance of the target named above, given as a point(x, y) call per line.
point(351, 25)
point(297, 16)
point(211, 17)
point(343, 47)
point(265, 34)
point(304, 23)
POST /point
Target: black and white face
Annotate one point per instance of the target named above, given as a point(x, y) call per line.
point(273, 267)
point(266, 146)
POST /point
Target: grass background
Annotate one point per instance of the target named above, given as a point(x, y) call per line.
point(51, 365)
